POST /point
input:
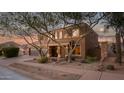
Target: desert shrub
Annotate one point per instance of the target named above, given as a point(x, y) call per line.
point(110, 67)
point(43, 59)
point(10, 51)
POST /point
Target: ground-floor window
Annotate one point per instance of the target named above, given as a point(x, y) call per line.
point(77, 50)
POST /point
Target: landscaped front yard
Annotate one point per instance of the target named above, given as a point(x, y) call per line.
point(61, 70)
point(88, 66)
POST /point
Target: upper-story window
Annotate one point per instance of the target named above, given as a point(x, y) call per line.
point(60, 35)
point(51, 36)
point(65, 35)
point(75, 33)
point(56, 37)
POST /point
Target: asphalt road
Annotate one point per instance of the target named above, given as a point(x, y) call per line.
point(8, 74)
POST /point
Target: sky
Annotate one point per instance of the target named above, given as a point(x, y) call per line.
point(100, 30)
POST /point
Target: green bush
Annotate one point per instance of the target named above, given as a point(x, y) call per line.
point(90, 59)
point(10, 51)
point(43, 59)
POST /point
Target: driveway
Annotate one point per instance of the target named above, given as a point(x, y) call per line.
point(8, 61)
point(8, 74)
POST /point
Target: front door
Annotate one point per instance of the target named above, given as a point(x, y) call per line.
point(54, 51)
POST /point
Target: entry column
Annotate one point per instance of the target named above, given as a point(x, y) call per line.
point(66, 50)
point(104, 50)
point(48, 53)
point(59, 53)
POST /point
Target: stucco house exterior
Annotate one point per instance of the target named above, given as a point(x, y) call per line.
point(87, 46)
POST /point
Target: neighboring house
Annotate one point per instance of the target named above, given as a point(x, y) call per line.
point(106, 43)
point(109, 39)
point(88, 46)
point(9, 43)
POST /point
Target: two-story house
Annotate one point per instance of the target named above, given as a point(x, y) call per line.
point(87, 46)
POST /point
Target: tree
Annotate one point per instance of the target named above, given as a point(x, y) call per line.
point(33, 40)
point(23, 24)
point(116, 21)
point(43, 23)
point(76, 19)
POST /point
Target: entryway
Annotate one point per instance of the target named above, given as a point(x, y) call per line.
point(53, 51)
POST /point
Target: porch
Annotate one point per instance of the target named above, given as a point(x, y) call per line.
point(55, 51)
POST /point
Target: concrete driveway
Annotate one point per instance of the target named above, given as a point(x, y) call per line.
point(8, 74)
